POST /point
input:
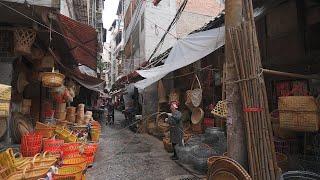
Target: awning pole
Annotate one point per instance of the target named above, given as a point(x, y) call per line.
point(286, 74)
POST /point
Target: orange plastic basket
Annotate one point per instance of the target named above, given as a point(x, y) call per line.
point(90, 148)
point(70, 150)
point(53, 145)
point(90, 160)
point(68, 172)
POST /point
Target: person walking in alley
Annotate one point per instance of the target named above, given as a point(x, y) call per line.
point(176, 127)
point(110, 109)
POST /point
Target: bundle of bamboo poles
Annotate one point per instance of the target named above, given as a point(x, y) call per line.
point(246, 56)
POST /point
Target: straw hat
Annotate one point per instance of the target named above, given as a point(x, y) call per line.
point(197, 115)
point(22, 82)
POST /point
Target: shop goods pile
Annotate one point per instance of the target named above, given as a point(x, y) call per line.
point(58, 153)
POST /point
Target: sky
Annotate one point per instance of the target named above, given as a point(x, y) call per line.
point(109, 12)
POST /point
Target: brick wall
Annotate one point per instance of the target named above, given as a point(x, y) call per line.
point(196, 14)
point(204, 7)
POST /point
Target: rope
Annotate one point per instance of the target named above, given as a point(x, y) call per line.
point(259, 77)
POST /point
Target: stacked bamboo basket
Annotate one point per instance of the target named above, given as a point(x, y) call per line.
point(60, 112)
point(80, 114)
point(246, 56)
point(71, 114)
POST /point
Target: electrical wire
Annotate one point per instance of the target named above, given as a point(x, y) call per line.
point(174, 21)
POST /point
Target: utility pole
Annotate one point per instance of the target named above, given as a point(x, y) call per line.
point(236, 136)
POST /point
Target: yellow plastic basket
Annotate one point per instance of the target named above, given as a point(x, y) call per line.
point(68, 172)
point(66, 135)
point(75, 161)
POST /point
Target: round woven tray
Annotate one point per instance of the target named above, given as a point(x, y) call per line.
point(226, 168)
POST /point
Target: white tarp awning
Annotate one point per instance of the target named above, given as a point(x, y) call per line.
point(186, 51)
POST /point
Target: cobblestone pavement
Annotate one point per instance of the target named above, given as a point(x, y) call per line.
point(124, 155)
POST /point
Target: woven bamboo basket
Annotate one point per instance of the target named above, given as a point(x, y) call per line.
point(4, 109)
point(211, 160)
point(68, 172)
point(174, 96)
point(23, 40)
point(226, 168)
point(71, 118)
point(5, 92)
point(61, 107)
point(197, 115)
point(220, 109)
point(38, 162)
point(65, 135)
point(52, 79)
point(31, 174)
point(298, 113)
point(163, 127)
point(194, 95)
point(167, 145)
point(71, 110)
point(60, 115)
point(4, 172)
point(162, 97)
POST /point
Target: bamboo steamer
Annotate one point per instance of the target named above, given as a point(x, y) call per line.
point(71, 118)
point(60, 115)
point(71, 110)
point(61, 107)
point(81, 107)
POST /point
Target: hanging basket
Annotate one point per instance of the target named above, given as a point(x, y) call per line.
point(23, 40)
point(298, 113)
point(52, 79)
point(174, 96)
point(197, 115)
point(220, 109)
point(194, 95)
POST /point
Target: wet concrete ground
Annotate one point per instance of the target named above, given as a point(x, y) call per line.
point(124, 155)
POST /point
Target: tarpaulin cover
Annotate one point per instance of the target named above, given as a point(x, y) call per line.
point(186, 51)
point(82, 40)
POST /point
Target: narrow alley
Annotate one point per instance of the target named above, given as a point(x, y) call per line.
point(123, 154)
